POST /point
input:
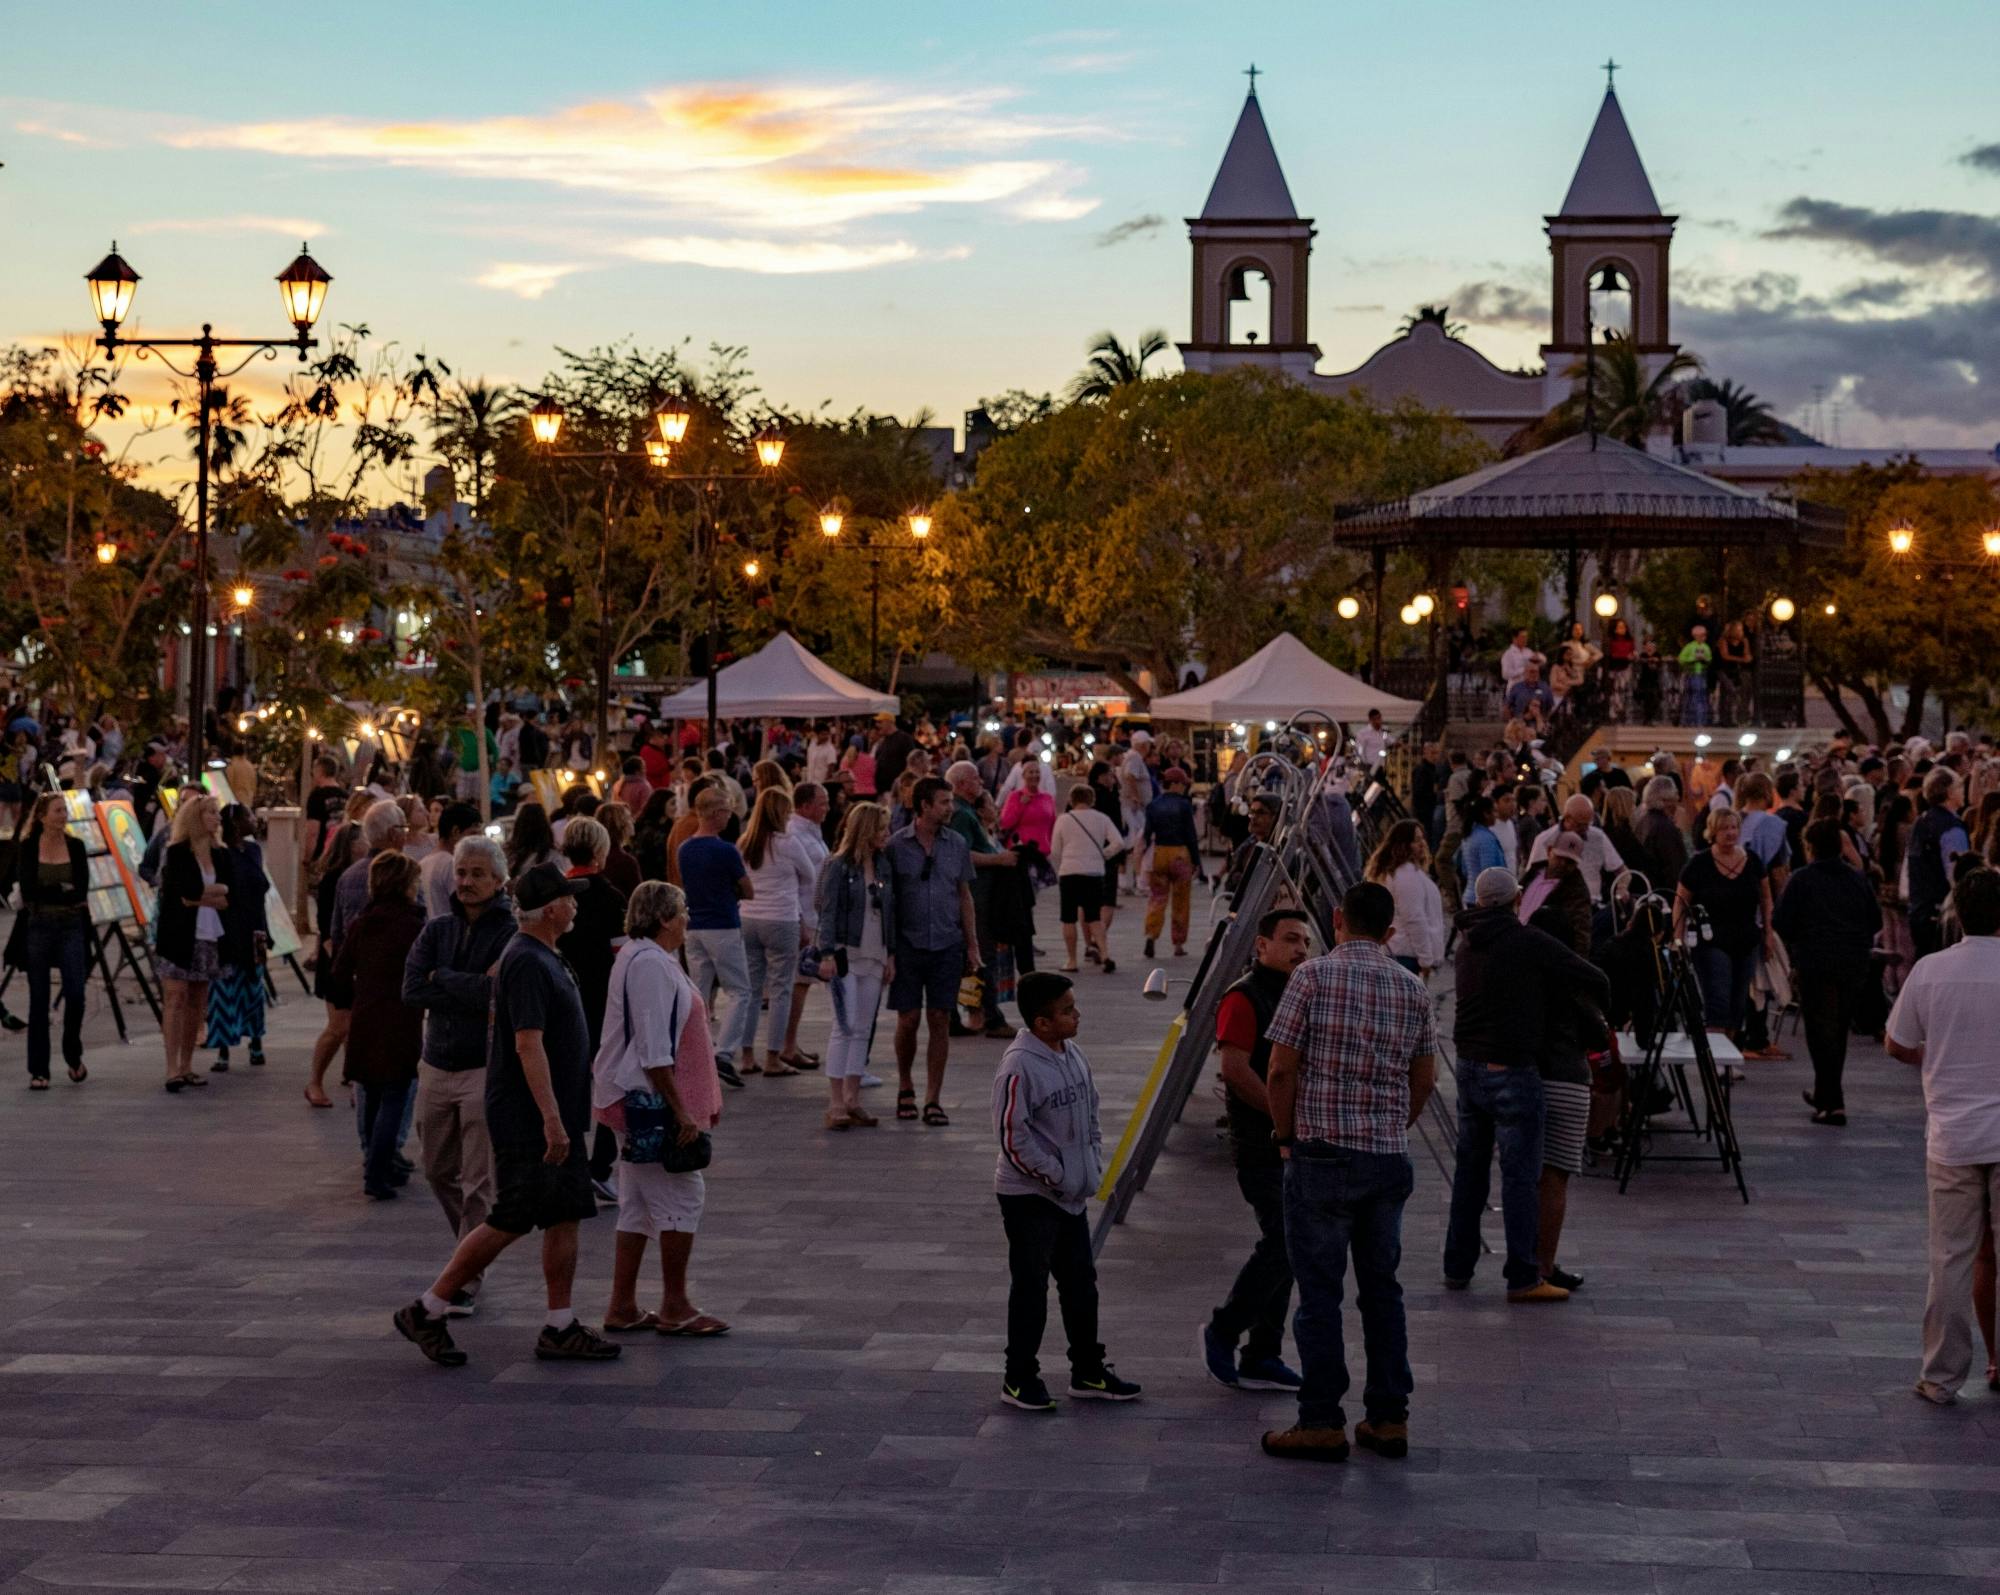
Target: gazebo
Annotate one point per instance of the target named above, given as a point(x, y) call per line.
point(1587, 494)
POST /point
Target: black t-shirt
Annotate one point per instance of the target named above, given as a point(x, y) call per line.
point(1732, 904)
point(324, 805)
point(535, 990)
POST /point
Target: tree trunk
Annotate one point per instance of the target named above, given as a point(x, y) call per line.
point(1830, 691)
point(478, 663)
point(1913, 716)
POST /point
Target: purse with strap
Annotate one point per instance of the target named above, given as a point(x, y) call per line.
point(652, 1130)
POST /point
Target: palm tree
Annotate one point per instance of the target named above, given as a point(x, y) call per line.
point(1751, 420)
point(468, 427)
point(1438, 316)
point(1628, 402)
point(1112, 365)
point(227, 417)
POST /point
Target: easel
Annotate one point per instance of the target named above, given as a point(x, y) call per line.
point(1665, 1063)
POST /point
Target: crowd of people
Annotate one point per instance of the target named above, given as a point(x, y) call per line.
point(557, 1003)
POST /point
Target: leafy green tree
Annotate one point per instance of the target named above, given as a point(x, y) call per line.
point(1184, 516)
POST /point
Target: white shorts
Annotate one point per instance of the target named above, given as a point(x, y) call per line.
point(653, 1202)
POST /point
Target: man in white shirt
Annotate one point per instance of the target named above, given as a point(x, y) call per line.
point(1601, 863)
point(1135, 791)
point(1506, 803)
point(821, 755)
point(1516, 657)
point(1943, 1023)
point(1372, 741)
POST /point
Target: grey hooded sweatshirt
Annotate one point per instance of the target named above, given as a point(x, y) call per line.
point(1045, 1117)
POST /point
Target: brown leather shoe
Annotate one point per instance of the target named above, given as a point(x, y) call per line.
point(1309, 1445)
point(1390, 1440)
point(861, 1119)
point(838, 1121)
point(1540, 1291)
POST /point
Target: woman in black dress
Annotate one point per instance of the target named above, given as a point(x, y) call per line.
point(1727, 882)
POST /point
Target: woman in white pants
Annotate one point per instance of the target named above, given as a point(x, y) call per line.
point(773, 933)
point(856, 930)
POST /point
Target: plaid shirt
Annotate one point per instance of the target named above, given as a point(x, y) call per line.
point(1355, 1017)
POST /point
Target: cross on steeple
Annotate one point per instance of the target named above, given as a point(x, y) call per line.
point(1253, 74)
point(1610, 72)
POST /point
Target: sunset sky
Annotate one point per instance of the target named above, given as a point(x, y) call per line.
point(902, 208)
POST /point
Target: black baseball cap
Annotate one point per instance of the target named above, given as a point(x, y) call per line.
point(542, 885)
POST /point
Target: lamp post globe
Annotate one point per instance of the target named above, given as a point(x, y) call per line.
point(920, 525)
point(673, 421)
point(302, 286)
point(770, 449)
point(830, 522)
point(1606, 605)
point(112, 284)
point(1348, 607)
point(1782, 609)
point(547, 420)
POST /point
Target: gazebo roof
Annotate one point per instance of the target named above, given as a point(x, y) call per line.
point(1585, 491)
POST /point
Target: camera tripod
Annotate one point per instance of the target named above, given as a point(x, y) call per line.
point(1710, 1118)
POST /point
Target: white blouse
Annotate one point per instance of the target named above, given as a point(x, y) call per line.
point(1419, 929)
point(783, 883)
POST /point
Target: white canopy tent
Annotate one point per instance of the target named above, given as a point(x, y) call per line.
point(1281, 679)
point(782, 679)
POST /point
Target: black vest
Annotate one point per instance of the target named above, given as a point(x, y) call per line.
point(1250, 1130)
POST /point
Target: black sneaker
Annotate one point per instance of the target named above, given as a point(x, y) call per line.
point(725, 1071)
point(1564, 1278)
point(1102, 1385)
point(220, 1066)
point(462, 1305)
point(429, 1335)
point(1149, 948)
point(1029, 1394)
point(575, 1343)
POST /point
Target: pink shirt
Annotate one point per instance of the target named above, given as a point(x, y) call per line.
point(1030, 816)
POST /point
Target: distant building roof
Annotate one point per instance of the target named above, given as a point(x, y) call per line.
point(1250, 186)
point(1610, 179)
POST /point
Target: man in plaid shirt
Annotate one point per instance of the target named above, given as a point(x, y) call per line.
point(1353, 1060)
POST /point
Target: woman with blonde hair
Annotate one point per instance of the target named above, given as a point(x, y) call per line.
point(768, 775)
point(195, 883)
point(773, 927)
point(1402, 863)
point(654, 1083)
point(854, 942)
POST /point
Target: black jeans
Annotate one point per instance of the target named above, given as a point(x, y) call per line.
point(1340, 1201)
point(382, 1123)
point(56, 946)
point(1043, 1239)
point(1262, 1294)
point(1826, 1010)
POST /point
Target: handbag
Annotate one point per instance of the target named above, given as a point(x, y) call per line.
point(652, 1130)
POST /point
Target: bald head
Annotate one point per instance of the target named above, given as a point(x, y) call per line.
point(1578, 814)
point(963, 778)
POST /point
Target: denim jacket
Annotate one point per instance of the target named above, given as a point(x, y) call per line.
point(843, 901)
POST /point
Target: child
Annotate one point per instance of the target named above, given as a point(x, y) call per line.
point(1051, 1158)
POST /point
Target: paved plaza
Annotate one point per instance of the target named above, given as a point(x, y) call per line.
point(200, 1388)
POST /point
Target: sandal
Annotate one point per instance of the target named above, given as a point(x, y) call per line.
point(194, 1079)
point(38, 1084)
point(643, 1321)
point(698, 1327)
point(800, 1060)
point(1067, 969)
point(906, 1104)
point(320, 1101)
point(78, 1073)
point(838, 1121)
point(936, 1117)
point(777, 1069)
point(748, 1068)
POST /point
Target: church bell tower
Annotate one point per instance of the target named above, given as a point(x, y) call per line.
point(1250, 247)
point(1608, 247)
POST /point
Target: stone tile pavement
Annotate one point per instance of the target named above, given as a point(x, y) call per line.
point(200, 1389)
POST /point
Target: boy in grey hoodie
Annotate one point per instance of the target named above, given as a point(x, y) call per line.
point(1051, 1159)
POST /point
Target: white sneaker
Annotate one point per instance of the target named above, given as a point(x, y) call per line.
point(868, 1080)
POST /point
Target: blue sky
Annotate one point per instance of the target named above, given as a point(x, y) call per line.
point(904, 208)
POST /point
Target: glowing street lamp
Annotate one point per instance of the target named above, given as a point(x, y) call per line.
point(1411, 614)
point(243, 596)
point(112, 285)
point(547, 420)
point(1902, 538)
point(1832, 609)
point(830, 522)
point(1348, 607)
point(920, 525)
point(302, 285)
point(673, 422)
point(1990, 541)
point(659, 453)
point(1606, 605)
point(770, 449)
point(1423, 604)
point(107, 552)
point(1782, 609)
point(750, 568)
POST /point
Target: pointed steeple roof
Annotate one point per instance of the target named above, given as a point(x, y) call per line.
point(1250, 185)
point(1610, 179)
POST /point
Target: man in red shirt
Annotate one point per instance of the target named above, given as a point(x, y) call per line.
point(1262, 1294)
point(653, 756)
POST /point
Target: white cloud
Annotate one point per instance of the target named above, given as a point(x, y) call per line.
point(289, 226)
point(524, 279)
point(769, 256)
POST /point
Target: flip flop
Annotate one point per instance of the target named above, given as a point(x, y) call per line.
point(778, 1070)
point(79, 1073)
point(317, 1102)
point(698, 1327)
point(643, 1321)
point(800, 1060)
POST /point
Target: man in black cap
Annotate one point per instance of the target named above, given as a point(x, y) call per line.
point(538, 1118)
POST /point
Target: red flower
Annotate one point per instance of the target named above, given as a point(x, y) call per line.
point(566, 602)
point(328, 561)
point(298, 575)
point(369, 634)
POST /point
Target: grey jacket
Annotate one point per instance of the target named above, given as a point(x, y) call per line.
point(843, 901)
point(1045, 1117)
point(446, 976)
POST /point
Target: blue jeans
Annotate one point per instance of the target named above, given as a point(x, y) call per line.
point(382, 1109)
point(1500, 1107)
point(56, 948)
point(1724, 978)
point(1338, 1200)
point(1694, 700)
point(715, 958)
point(770, 965)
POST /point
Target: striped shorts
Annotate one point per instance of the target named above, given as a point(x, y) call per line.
point(1565, 1121)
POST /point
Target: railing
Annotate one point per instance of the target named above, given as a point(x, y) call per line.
point(1770, 692)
